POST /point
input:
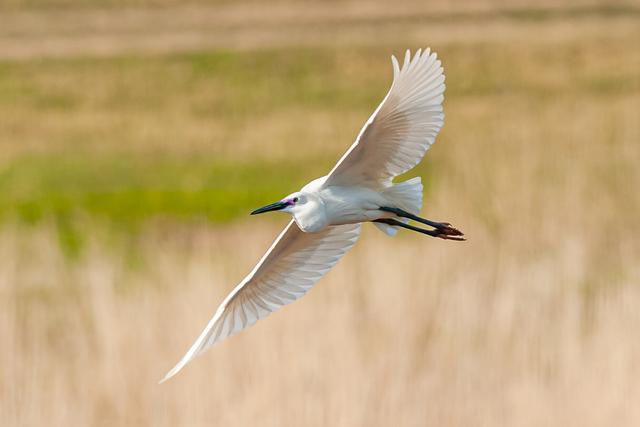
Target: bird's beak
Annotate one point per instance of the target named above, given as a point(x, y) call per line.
point(272, 207)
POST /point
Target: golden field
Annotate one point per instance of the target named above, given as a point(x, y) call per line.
point(134, 141)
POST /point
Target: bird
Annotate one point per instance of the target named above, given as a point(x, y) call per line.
point(327, 213)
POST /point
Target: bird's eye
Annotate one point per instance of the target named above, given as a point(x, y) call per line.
point(295, 200)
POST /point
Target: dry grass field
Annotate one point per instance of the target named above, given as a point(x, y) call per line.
point(132, 146)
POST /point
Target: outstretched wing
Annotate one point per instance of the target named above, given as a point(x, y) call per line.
point(401, 130)
point(293, 264)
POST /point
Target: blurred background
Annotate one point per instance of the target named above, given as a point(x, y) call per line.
point(135, 137)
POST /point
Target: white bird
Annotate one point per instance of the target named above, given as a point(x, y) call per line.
point(328, 211)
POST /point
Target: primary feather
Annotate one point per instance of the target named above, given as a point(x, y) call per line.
point(401, 129)
point(293, 264)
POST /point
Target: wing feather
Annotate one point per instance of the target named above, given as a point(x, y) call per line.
point(293, 264)
point(402, 128)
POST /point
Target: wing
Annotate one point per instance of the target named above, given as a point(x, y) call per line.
point(293, 264)
point(401, 130)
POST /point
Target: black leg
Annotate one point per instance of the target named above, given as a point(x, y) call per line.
point(443, 227)
point(441, 234)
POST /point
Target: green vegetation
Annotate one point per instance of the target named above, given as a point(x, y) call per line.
point(131, 190)
point(212, 134)
point(84, 117)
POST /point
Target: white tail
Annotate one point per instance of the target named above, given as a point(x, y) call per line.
point(407, 196)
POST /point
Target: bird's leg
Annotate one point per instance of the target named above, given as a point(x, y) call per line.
point(433, 233)
point(443, 227)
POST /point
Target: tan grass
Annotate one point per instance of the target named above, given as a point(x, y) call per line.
point(136, 28)
point(512, 330)
point(532, 322)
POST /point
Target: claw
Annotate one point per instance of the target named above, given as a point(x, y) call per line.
point(448, 234)
point(447, 229)
point(456, 238)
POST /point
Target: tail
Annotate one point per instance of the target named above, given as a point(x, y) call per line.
point(406, 195)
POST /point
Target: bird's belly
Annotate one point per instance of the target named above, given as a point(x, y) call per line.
point(357, 219)
point(339, 217)
point(349, 205)
point(346, 214)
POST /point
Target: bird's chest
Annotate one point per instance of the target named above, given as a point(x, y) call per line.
point(311, 223)
point(312, 219)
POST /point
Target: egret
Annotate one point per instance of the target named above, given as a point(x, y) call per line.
point(328, 212)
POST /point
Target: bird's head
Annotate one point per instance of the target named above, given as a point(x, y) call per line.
point(292, 204)
point(306, 208)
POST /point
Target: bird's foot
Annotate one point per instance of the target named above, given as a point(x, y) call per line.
point(447, 229)
point(448, 233)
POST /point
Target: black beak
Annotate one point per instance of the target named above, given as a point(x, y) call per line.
point(272, 207)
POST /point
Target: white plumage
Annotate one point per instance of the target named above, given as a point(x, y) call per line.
point(328, 211)
point(402, 128)
point(293, 264)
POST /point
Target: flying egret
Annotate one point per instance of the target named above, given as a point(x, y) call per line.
point(328, 211)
